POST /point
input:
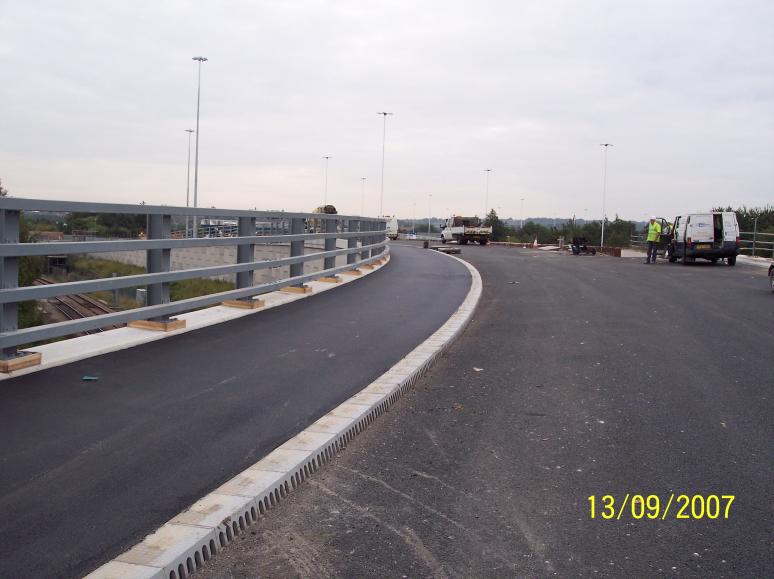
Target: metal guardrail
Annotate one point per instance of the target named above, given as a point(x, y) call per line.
point(366, 242)
point(755, 245)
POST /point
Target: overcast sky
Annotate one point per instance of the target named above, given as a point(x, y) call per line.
point(96, 97)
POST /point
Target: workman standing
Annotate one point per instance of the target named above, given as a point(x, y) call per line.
point(654, 233)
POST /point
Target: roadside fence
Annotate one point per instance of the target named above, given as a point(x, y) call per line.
point(366, 243)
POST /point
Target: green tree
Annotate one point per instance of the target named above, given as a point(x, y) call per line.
point(500, 231)
point(746, 217)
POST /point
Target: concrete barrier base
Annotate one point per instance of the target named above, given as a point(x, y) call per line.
point(23, 360)
point(173, 324)
point(295, 289)
point(244, 304)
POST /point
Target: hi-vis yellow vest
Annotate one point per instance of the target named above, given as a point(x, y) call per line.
point(654, 231)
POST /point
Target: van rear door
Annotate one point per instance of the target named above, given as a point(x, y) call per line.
point(730, 227)
point(700, 228)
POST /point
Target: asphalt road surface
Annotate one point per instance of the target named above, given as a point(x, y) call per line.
point(88, 468)
point(580, 376)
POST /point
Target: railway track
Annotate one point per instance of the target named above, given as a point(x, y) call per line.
point(77, 306)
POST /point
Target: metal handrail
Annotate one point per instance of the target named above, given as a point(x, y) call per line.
point(22, 204)
point(366, 242)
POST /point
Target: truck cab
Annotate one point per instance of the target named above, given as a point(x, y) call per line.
point(710, 236)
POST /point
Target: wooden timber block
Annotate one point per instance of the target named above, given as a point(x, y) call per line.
point(294, 289)
point(23, 360)
point(173, 324)
point(334, 279)
point(367, 266)
point(244, 304)
point(352, 272)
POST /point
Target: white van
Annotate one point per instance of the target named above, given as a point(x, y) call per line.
point(709, 236)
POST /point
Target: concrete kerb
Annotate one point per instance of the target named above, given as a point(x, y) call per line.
point(183, 544)
point(74, 349)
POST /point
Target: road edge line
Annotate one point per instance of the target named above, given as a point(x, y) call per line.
point(183, 544)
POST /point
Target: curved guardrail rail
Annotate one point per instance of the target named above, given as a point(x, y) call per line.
point(366, 242)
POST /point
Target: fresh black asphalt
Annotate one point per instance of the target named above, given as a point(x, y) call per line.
point(579, 376)
point(88, 468)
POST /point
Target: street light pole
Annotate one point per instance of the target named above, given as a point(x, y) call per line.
point(325, 195)
point(188, 183)
point(362, 196)
point(521, 218)
point(486, 195)
point(384, 141)
point(429, 211)
point(200, 59)
point(604, 192)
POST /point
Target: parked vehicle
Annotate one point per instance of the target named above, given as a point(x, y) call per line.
point(392, 226)
point(580, 245)
point(710, 236)
point(464, 229)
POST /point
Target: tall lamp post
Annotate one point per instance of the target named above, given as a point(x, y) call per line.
point(325, 194)
point(188, 184)
point(362, 195)
point(429, 211)
point(200, 59)
point(521, 218)
point(486, 195)
point(384, 141)
point(604, 192)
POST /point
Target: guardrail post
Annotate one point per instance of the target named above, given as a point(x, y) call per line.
point(296, 247)
point(331, 226)
point(365, 226)
point(9, 276)
point(382, 236)
point(352, 225)
point(246, 253)
point(158, 261)
point(10, 358)
point(296, 250)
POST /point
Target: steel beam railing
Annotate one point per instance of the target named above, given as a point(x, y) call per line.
point(366, 242)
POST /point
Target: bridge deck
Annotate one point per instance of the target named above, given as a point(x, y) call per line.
point(88, 468)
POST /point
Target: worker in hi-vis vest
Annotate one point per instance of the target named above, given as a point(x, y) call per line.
point(654, 233)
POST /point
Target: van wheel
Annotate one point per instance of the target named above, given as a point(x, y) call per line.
point(686, 260)
point(482, 241)
point(714, 260)
point(443, 240)
point(731, 260)
point(464, 241)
